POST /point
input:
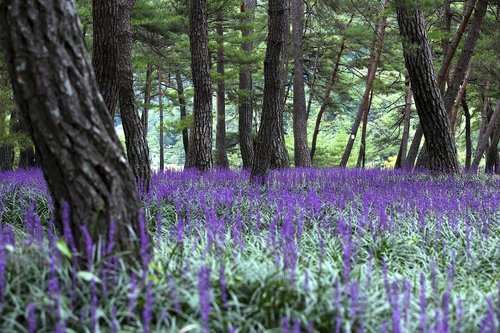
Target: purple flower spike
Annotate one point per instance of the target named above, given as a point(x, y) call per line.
point(30, 313)
point(204, 292)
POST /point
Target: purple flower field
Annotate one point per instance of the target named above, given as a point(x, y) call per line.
point(314, 250)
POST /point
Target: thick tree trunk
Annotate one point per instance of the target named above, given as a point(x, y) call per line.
point(105, 51)
point(147, 99)
point(326, 99)
point(302, 156)
point(135, 139)
point(160, 106)
point(362, 149)
point(430, 107)
point(81, 156)
point(400, 161)
point(183, 115)
point(271, 126)
point(220, 137)
point(484, 140)
point(442, 78)
point(376, 52)
point(245, 110)
point(200, 143)
point(468, 140)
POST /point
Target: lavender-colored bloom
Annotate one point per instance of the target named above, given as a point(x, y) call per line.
point(148, 307)
point(423, 304)
point(204, 292)
point(296, 326)
point(132, 295)
point(89, 246)
point(31, 317)
point(310, 326)
point(114, 320)
point(396, 313)
point(460, 313)
point(406, 298)
point(285, 326)
point(93, 305)
point(444, 307)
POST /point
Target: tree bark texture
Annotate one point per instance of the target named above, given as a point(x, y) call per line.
point(200, 143)
point(430, 107)
point(147, 99)
point(376, 52)
point(406, 129)
point(302, 156)
point(362, 148)
point(220, 136)
point(160, 106)
point(271, 125)
point(245, 107)
point(183, 115)
point(105, 51)
point(135, 139)
point(57, 93)
point(484, 140)
point(442, 78)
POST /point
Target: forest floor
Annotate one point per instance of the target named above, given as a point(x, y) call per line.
point(314, 250)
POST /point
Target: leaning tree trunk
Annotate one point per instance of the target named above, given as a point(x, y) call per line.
point(326, 99)
point(183, 115)
point(245, 108)
point(302, 156)
point(430, 107)
point(484, 140)
point(135, 140)
point(200, 143)
point(105, 51)
point(376, 52)
point(220, 136)
point(442, 77)
point(468, 139)
point(147, 99)
point(270, 125)
point(461, 68)
point(362, 148)
point(406, 129)
point(81, 156)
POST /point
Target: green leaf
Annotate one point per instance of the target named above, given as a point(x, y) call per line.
point(88, 276)
point(64, 249)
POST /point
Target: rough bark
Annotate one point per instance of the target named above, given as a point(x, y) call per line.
point(468, 140)
point(245, 108)
point(147, 99)
point(183, 115)
point(302, 156)
point(220, 136)
point(200, 143)
point(270, 126)
point(441, 79)
point(377, 46)
point(406, 129)
point(105, 50)
point(135, 139)
point(57, 93)
point(160, 106)
point(484, 140)
point(430, 106)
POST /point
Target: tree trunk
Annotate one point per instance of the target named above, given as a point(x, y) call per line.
point(271, 126)
point(135, 139)
point(220, 137)
point(6, 148)
point(468, 140)
point(442, 78)
point(326, 100)
point(302, 156)
point(81, 156)
point(147, 99)
point(454, 109)
point(200, 143)
point(160, 106)
point(484, 140)
point(105, 51)
point(183, 115)
point(6, 157)
point(312, 86)
point(400, 161)
point(362, 149)
point(430, 106)
point(377, 46)
point(492, 150)
point(245, 111)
